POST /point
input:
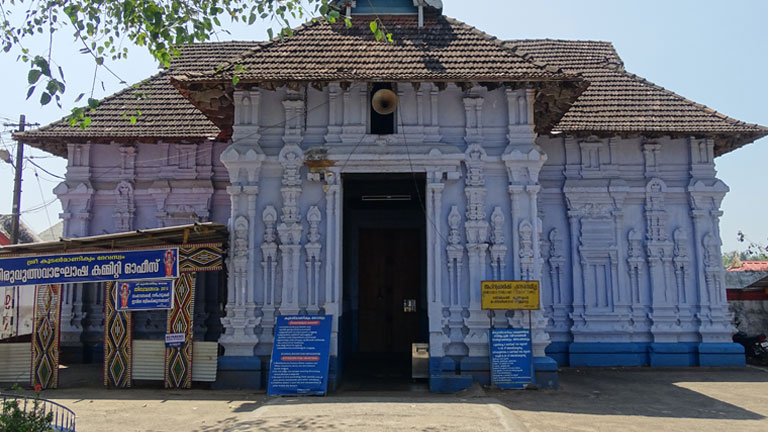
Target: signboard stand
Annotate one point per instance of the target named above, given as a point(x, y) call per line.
point(300, 356)
point(511, 352)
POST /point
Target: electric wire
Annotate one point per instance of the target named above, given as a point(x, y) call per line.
point(42, 196)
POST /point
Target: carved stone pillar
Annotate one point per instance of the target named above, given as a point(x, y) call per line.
point(476, 228)
point(437, 306)
point(243, 161)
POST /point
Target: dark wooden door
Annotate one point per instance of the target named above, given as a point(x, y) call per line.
point(389, 274)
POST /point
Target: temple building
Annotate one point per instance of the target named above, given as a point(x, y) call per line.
point(503, 160)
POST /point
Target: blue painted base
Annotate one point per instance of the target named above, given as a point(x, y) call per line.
point(239, 373)
point(545, 369)
point(721, 354)
point(558, 351)
point(608, 354)
point(673, 354)
point(446, 377)
point(450, 383)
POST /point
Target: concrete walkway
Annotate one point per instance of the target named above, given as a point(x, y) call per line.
point(373, 414)
point(607, 399)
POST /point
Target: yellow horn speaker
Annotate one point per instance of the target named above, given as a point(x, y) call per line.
point(384, 101)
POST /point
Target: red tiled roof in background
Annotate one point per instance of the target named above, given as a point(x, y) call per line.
point(756, 266)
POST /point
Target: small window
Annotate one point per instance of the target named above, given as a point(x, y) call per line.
point(381, 124)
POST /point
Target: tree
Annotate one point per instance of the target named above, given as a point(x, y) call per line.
point(102, 27)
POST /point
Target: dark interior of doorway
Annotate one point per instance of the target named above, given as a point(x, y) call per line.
point(385, 304)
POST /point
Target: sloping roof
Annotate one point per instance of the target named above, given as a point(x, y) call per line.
point(621, 103)
point(615, 103)
point(750, 266)
point(443, 50)
point(161, 112)
point(26, 235)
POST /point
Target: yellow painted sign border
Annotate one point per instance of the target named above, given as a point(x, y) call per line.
point(511, 295)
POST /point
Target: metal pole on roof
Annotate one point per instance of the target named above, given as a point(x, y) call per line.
point(16, 208)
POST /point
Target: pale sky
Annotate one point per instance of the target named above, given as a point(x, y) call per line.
point(710, 51)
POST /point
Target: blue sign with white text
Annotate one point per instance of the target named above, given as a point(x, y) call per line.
point(511, 358)
point(144, 295)
point(90, 267)
point(300, 355)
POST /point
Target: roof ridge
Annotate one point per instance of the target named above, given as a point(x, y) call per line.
point(501, 44)
point(606, 63)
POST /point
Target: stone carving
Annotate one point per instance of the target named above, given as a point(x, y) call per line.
point(125, 207)
point(498, 248)
point(313, 263)
point(455, 329)
point(476, 228)
point(656, 215)
point(526, 251)
point(291, 158)
point(269, 271)
point(682, 263)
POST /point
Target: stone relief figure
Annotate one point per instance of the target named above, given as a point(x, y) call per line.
point(125, 207)
point(498, 248)
point(526, 250)
point(313, 263)
point(240, 249)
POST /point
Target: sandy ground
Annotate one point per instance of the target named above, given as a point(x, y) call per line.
point(636, 399)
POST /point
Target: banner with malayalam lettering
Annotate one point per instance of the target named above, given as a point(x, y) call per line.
point(144, 295)
point(90, 267)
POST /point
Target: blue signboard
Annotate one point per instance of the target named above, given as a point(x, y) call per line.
point(300, 355)
point(90, 267)
point(144, 295)
point(511, 358)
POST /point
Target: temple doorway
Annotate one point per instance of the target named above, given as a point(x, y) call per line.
point(385, 301)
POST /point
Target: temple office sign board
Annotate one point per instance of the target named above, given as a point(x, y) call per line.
point(300, 355)
point(510, 295)
point(145, 264)
point(511, 366)
point(144, 295)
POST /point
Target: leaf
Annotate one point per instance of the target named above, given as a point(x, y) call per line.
point(30, 91)
point(61, 73)
point(235, 80)
point(33, 76)
point(86, 122)
point(93, 103)
point(374, 26)
point(133, 120)
point(45, 98)
point(79, 97)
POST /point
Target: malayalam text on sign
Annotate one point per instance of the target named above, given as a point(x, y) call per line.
point(300, 355)
point(510, 295)
point(90, 267)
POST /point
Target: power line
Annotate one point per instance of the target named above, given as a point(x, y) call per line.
point(44, 170)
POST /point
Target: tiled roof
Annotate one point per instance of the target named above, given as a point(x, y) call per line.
point(617, 102)
point(164, 114)
point(750, 266)
point(443, 50)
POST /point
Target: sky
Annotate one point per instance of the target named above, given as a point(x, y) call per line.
point(710, 51)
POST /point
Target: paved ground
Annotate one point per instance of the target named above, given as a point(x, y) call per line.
point(588, 400)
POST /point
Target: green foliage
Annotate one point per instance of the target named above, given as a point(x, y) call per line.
point(15, 418)
point(101, 27)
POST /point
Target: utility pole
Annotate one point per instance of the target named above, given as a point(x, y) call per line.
point(16, 208)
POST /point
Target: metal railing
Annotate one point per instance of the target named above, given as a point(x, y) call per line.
point(62, 418)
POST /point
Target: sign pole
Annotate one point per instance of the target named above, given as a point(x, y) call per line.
point(530, 336)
